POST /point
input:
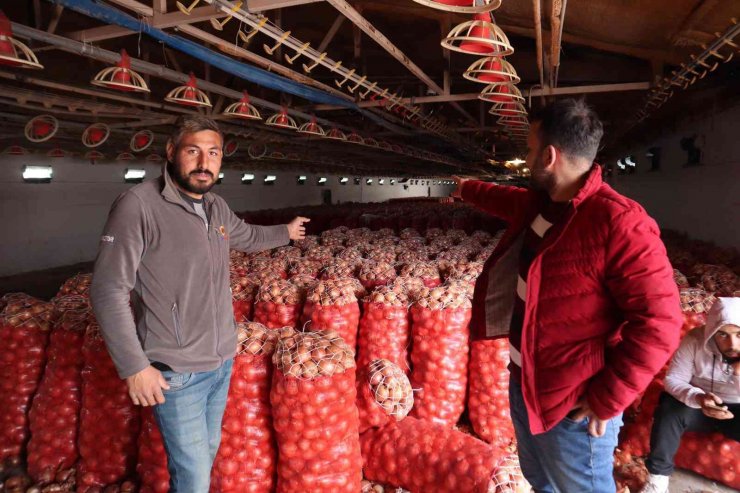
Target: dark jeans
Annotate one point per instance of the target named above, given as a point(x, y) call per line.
point(672, 419)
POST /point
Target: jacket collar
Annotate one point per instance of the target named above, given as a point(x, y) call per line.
point(592, 185)
point(171, 193)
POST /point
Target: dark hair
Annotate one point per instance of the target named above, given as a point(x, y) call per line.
point(570, 125)
point(188, 124)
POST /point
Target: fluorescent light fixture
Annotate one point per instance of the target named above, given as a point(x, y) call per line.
point(628, 160)
point(301, 179)
point(343, 180)
point(37, 173)
point(516, 161)
point(369, 181)
point(270, 178)
point(134, 175)
point(393, 181)
point(322, 180)
point(649, 154)
point(221, 175)
point(620, 164)
point(357, 181)
point(381, 181)
point(247, 178)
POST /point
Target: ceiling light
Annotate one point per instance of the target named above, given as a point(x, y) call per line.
point(343, 180)
point(247, 178)
point(37, 173)
point(134, 175)
point(270, 178)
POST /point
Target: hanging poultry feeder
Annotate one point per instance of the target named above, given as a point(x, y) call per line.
point(507, 109)
point(501, 93)
point(13, 52)
point(243, 109)
point(513, 121)
point(154, 158)
point(462, 6)
point(277, 155)
point(125, 156)
point(396, 148)
point(95, 135)
point(491, 70)
point(257, 151)
point(121, 77)
point(355, 138)
point(479, 37)
point(312, 128)
point(293, 157)
point(94, 155)
point(189, 94)
point(57, 152)
point(370, 142)
point(41, 128)
point(282, 120)
point(230, 147)
point(141, 140)
point(335, 134)
point(16, 150)
point(384, 145)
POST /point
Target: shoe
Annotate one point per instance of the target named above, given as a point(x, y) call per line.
point(656, 483)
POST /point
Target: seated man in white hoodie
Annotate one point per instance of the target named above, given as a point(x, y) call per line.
point(702, 390)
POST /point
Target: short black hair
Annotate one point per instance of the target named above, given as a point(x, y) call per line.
point(570, 125)
point(188, 124)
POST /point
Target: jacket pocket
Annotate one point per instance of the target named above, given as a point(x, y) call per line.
point(176, 322)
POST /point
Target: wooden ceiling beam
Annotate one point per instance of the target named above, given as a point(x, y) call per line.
point(162, 21)
point(558, 91)
point(331, 33)
point(264, 5)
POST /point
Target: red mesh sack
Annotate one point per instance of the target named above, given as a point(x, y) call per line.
point(275, 265)
point(695, 304)
point(243, 292)
point(314, 413)
point(379, 253)
point(680, 279)
point(75, 285)
point(109, 421)
point(330, 307)
point(384, 394)
point(373, 274)
point(426, 271)
point(340, 268)
point(278, 304)
point(25, 323)
point(488, 395)
point(54, 415)
point(320, 254)
point(152, 460)
point(305, 267)
point(384, 327)
point(412, 286)
point(720, 280)
point(713, 456)
point(439, 354)
point(246, 459)
point(308, 242)
point(634, 438)
point(287, 253)
point(422, 456)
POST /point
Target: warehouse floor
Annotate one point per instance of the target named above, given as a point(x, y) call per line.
point(688, 482)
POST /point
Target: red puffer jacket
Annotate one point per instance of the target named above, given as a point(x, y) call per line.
point(602, 312)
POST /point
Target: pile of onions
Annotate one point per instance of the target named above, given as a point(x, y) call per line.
point(408, 233)
point(695, 304)
point(278, 304)
point(78, 285)
point(320, 254)
point(314, 413)
point(483, 237)
point(439, 354)
point(713, 456)
point(383, 394)
point(25, 323)
point(374, 274)
point(350, 255)
point(680, 279)
point(384, 327)
point(488, 395)
point(381, 254)
point(275, 265)
point(426, 271)
point(246, 459)
point(433, 233)
point(720, 281)
point(413, 287)
point(308, 242)
point(109, 421)
point(330, 307)
point(54, 415)
point(340, 268)
point(305, 267)
point(405, 255)
point(465, 272)
point(635, 434)
point(423, 456)
point(287, 253)
point(152, 460)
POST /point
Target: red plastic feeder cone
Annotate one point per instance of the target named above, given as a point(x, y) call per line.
point(189, 94)
point(121, 77)
point(243, 109)
point(13, 52)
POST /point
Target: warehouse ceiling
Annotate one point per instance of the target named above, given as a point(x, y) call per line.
point(637, 62)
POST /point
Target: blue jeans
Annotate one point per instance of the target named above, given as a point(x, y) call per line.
point(190, 423)
point(565, 459)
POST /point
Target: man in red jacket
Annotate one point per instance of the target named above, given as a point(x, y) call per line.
point(582, 286)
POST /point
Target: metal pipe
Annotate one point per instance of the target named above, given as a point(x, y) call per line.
point(537, 5)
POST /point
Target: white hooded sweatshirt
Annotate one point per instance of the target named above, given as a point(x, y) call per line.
point(698, 367)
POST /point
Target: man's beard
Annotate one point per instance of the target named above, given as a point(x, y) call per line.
point(541, 179)
point(184, 180)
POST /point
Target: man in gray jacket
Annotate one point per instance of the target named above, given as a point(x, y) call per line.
point(165, 253)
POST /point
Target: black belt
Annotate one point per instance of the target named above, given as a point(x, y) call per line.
point(161, 366)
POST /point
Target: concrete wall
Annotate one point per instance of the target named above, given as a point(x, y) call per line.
point(703, 201)
point(59, 223)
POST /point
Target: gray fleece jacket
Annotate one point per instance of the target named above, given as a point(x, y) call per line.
point(157, 256)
